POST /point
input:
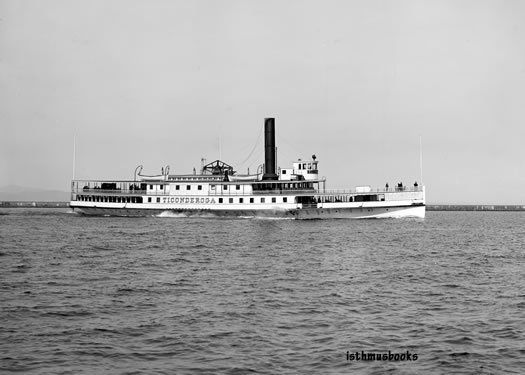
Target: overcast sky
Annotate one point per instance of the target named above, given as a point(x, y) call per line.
point(355, 82)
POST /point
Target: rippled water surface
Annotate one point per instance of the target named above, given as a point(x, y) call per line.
point(235, 296)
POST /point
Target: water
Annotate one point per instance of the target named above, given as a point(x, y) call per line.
point(235, 296)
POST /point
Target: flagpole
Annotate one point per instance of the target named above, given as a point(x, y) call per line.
point(421, 159)
point(74, 153)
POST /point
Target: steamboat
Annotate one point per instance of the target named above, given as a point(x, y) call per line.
point(218, 190)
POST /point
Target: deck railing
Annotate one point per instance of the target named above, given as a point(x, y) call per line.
point(110, 191)
point(298, 192)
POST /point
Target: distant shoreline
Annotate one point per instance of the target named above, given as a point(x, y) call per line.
point(475, 207)
point(33, 204)
point(430, 207)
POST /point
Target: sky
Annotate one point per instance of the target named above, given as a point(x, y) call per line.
point(356, 83)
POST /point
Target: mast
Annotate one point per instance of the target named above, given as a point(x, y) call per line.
point(220, 149)
point(421, 160)
point(74, 153)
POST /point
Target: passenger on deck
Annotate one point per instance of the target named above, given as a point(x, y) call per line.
point(415, 184)
point(386, 186)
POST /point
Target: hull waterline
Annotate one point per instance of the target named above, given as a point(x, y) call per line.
point(415, 211)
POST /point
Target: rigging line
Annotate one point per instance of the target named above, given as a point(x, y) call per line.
point(252, 162)
point(253, 149)
point(290, 145)
point(255, 156)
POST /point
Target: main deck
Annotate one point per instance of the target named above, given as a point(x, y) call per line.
point(200, 195)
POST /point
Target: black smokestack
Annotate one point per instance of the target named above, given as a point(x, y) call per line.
point(269, 149)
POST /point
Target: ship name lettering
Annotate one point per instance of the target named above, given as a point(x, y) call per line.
point(188, 200)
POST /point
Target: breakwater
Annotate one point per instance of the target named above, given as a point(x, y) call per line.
point(430, 207)
point(29, 204)
point(474, 207)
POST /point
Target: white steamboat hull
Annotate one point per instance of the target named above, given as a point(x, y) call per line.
point(370, 212)
point(390, 212)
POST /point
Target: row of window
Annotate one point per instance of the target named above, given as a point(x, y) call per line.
point(177, 187)
point(350, 198)
point(231, 200)
point(199, 187)
point(308, 166)
point(117, 199)
point(322, 199)
point(225, 187)
point(188, 187)
point(208, 177)
point(284, 186)
point(263, 186)
point(252, 200)
point(109, 199)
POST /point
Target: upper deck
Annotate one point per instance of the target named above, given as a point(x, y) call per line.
point(191, 185)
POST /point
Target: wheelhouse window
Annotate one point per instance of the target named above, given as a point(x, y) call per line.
point(158, 200)
point(237, 187)
point(225, 187)
point(177, 187)
point(251, 200)
point(285, 199)
point(188, 187)
point(220, 200)
point(151, 187)
point(262, 200)
point(231, 200)
point(161, 187)
point(241, 200)
point(199, 187)
point(274, 200)
point(149, 200)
